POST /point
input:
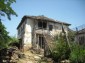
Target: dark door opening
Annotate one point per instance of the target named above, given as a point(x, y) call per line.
point(41, 42)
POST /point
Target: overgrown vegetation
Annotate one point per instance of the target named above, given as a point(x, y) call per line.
point(75, 53)
point(61, 51)
point(4, 38)
point(13, 40)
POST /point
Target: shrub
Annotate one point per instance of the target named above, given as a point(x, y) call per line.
point(61, 50)
point(77, 54)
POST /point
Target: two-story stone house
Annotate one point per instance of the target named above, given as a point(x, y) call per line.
point(33, 29)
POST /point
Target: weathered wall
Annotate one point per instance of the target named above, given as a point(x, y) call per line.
point(57, 28)
point(21, 30)
point(80, 38)
point(28, 33)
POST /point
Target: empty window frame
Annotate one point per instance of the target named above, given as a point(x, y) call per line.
point(42, 25)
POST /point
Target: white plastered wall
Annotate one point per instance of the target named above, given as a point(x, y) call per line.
point(28, 33)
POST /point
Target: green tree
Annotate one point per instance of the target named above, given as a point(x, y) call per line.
point(6, 9)
point(13, 40)
point(4, 38)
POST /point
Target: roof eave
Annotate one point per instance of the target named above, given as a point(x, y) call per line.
point(21, 21)
point(25, 17)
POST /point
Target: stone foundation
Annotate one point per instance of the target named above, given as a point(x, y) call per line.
point(27, 47)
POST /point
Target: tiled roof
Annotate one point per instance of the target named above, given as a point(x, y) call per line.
point(41, 17)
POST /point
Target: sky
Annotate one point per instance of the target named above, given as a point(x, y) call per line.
point(70, 11)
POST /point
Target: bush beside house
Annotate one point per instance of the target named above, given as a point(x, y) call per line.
point(75, 54)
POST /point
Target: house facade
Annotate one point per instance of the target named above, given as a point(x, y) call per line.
point(33, 29)
point(80, 36)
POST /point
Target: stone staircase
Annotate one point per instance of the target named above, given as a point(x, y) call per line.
point(32, 57)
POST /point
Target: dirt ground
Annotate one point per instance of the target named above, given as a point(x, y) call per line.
point(32, 57)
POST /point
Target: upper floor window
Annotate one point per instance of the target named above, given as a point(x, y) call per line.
point(39, 25)
point(42, 25)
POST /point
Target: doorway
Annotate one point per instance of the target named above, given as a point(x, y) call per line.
point(40, 41)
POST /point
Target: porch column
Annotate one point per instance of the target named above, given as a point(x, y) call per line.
point(37, 42)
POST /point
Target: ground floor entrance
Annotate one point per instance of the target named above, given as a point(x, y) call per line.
point(40, 41)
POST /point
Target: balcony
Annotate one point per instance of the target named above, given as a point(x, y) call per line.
point(41, 31)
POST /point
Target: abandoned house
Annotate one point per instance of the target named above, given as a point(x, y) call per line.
point(34, 31)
